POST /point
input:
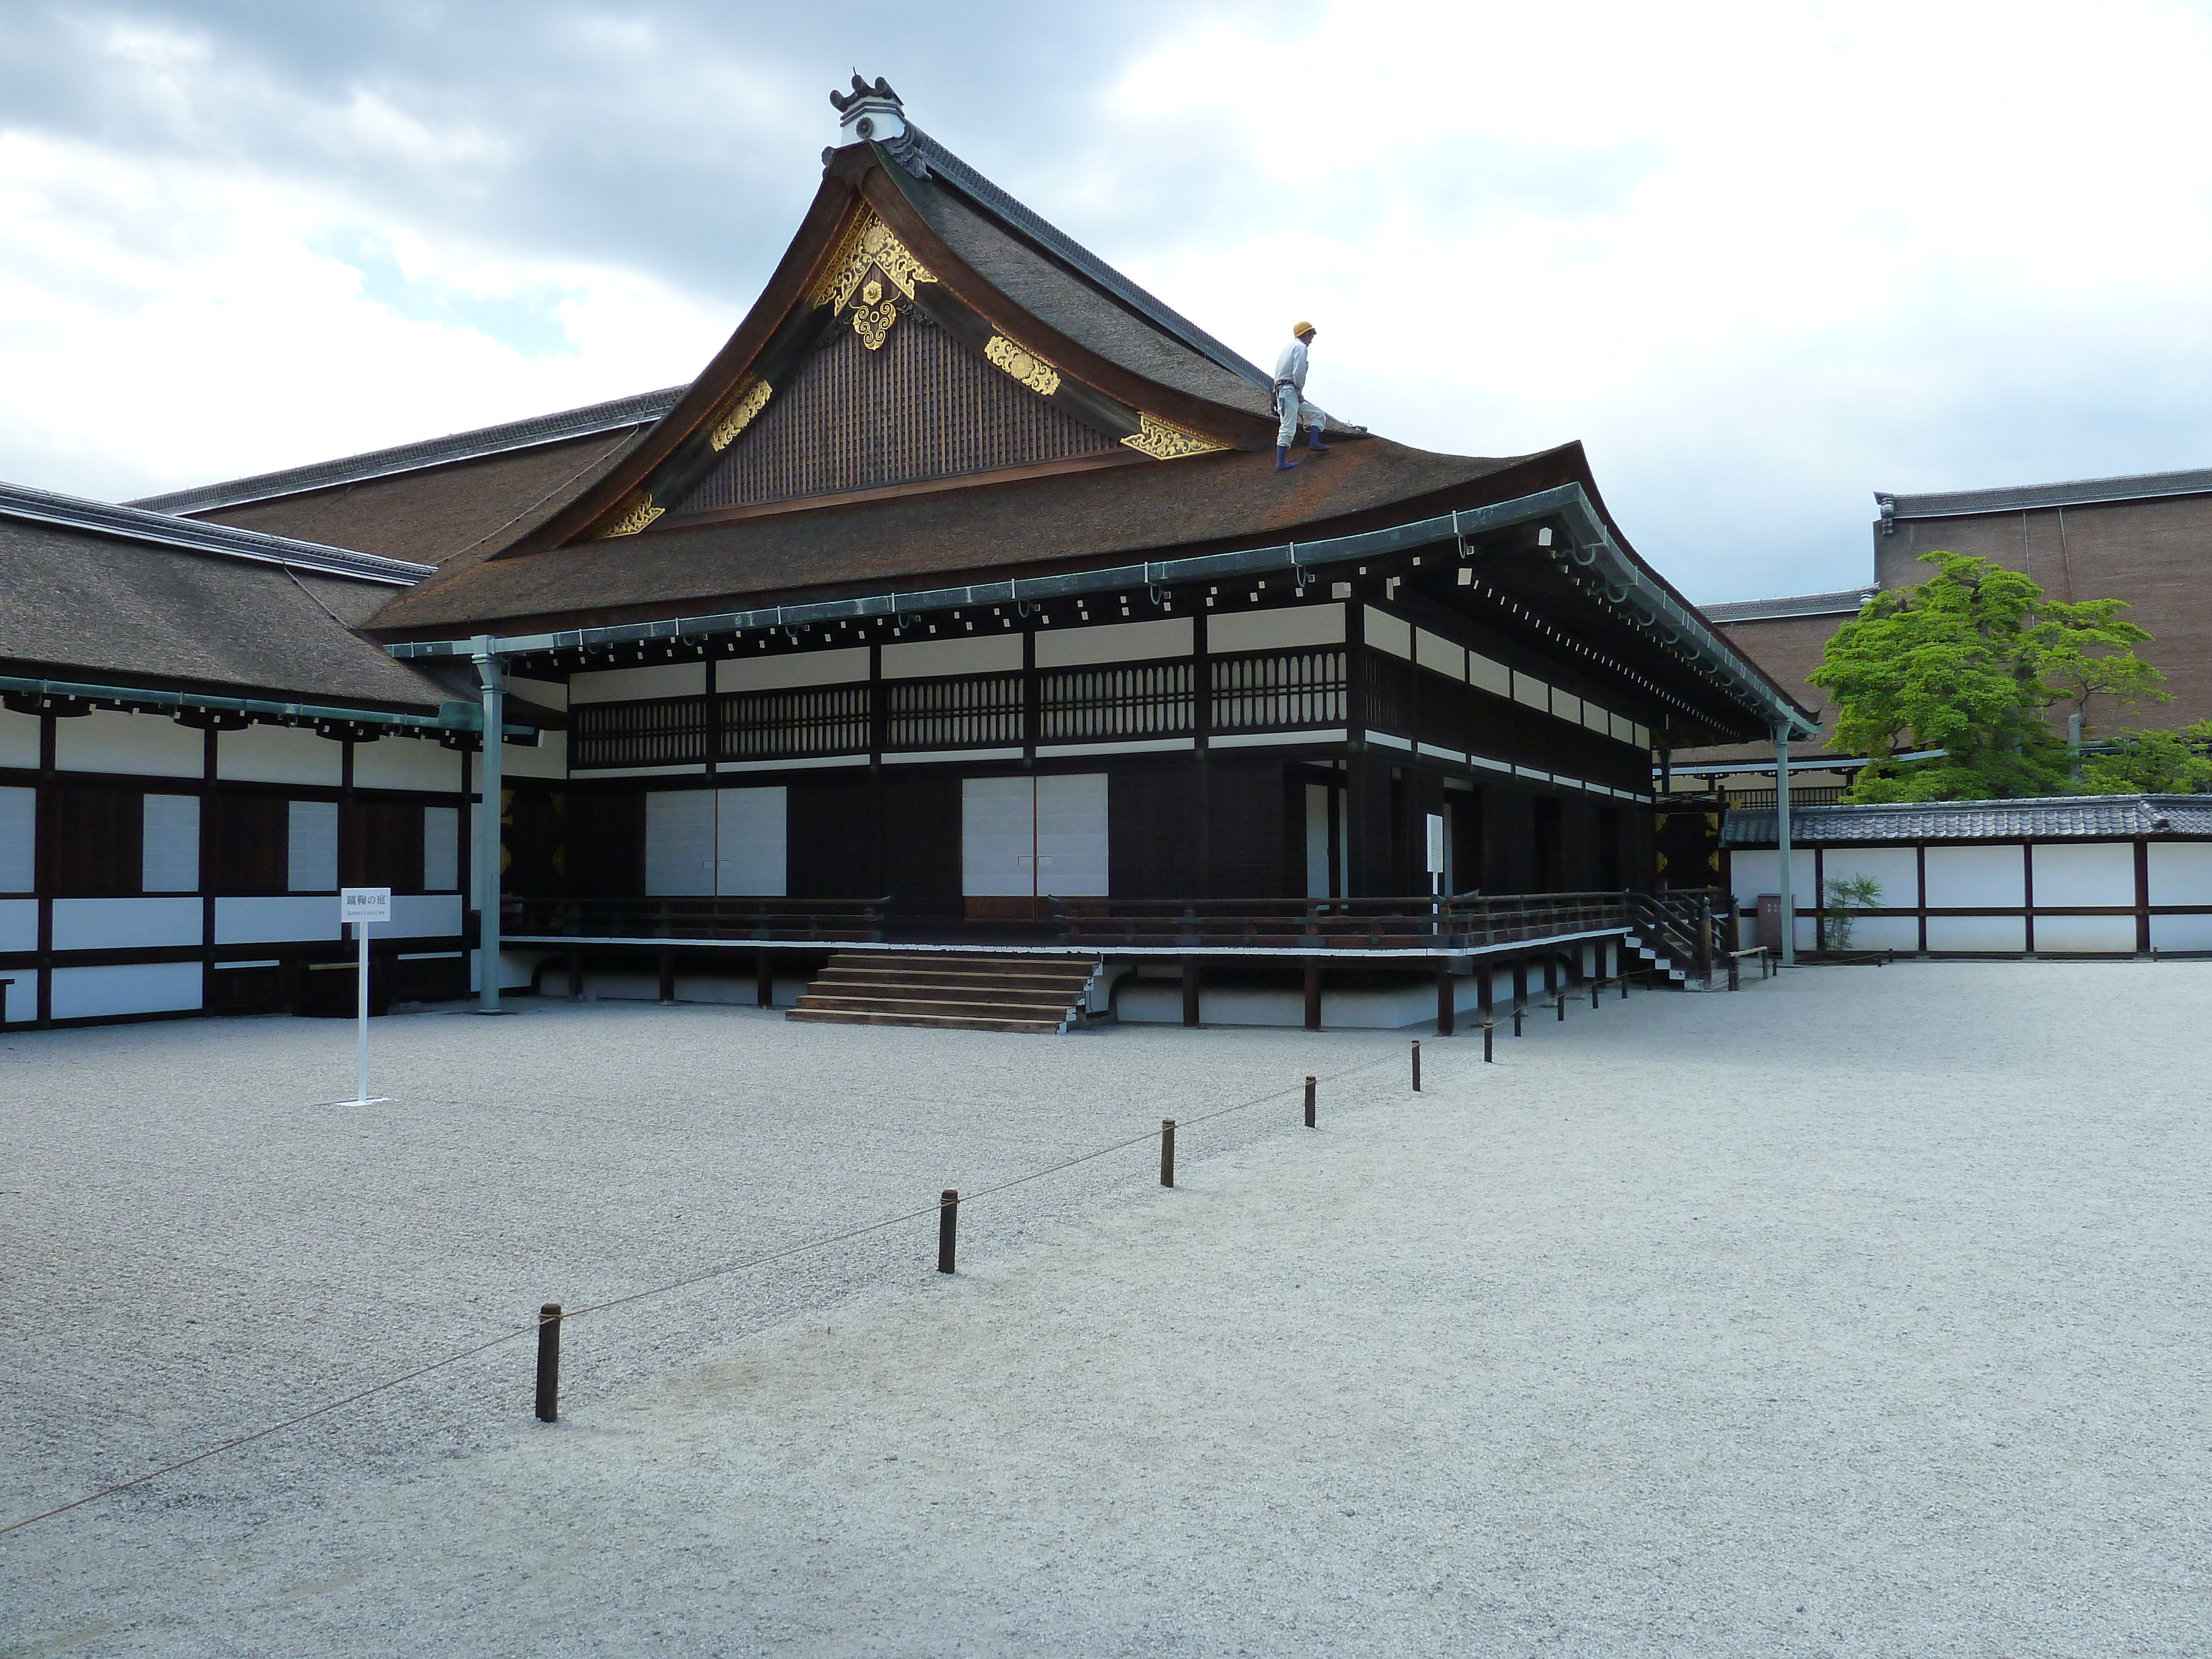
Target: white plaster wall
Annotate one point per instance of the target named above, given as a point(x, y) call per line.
point(549, 759)
point(1489, 674)
point(153, 987)
point(994, 654)
point(406, 763)
point(1139, 642)
point(2099, 935)
point(667, 680)
point(546, 694)
point(2099, 873)
point(2180, 873)
point(421, 916)
point(19, 840)
point(2180, 932)
point(1975, 932)
point(19, 739)
point(279, 754)
point(1386, 633)
point(1272, 631)
point(1535, 693)
point(1894, 867)
point(1433, 650)
point(148, 745)
point(1884, 933)
point(1975, 875)
point(19, 929)
point(837, 668)
point(274, 920)
point(124, 924)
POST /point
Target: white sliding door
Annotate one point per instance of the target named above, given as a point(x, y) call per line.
point(679, 842)
point(748, 842)
point(998, 837)
point(1027, 837)
point(1071, 834)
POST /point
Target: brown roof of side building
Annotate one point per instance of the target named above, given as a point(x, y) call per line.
point(103, 604)
point(1087, 516)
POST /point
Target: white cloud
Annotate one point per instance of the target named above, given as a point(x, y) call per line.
point(1763, 259)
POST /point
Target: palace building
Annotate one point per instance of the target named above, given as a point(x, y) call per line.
point(956, 605)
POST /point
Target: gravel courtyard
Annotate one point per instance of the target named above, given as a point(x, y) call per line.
point(1863, 1312)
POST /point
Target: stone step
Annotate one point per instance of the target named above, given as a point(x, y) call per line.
point(923, 1000)
point(942, 1022)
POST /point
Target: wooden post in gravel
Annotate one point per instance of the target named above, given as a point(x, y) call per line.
point(948, 1221)
point(1310, 1101)
point(1417, 1066)
point(1167, 1152)
point(548, 1362)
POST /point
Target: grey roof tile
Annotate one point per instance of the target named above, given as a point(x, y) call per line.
point(639, 409)
point(2019, 498)
point(2092, 818)
point(1843, 604)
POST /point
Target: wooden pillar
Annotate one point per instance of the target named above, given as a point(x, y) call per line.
point(2143, 898)
point(1189, 992)
point(2027, 896)
point(1521, 983)
point(1920, 892)
point(1444, 999)
point(764, 979)
point(576, 974)
point(667, 974)
point(1483, 975)
point(1313, 995)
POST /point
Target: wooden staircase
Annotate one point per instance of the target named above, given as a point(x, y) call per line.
point(956, 990)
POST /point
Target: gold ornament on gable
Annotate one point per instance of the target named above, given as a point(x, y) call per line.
point(874, 323)
point(1024, 365)
point(1164, 441)
point(737, 415)
point(637, 513)
point(867, 244)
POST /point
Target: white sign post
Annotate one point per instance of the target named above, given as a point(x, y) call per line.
point(361, 906)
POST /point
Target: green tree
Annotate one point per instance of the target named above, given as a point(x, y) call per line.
point(1969, 661)
point(2153, 763)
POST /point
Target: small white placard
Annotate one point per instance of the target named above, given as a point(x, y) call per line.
point(1436, 843)
point(365, 903)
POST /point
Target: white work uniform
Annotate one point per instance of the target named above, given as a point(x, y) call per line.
point(1291, 404)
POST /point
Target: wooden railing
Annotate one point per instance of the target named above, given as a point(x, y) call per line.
point(1452, 922)
point(770, 919)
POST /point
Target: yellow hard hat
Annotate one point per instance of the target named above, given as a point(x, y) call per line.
point(1303, 327)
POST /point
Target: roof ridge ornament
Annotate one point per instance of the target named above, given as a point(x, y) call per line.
point(869, 114)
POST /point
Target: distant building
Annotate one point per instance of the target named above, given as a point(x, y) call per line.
point(2144, 539)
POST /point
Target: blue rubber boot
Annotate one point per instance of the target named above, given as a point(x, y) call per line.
point(1314, 443)
point(1283, 461)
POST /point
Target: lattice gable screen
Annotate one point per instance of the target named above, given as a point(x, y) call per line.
point(918, 405)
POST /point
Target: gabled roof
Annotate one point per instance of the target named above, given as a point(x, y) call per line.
point(922, 155)
point(134, 598)
point(2088, 817)
point(931, 234)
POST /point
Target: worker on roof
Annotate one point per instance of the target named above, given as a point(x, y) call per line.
point(1290, 403)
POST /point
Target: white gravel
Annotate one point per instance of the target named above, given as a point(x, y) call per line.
point(1861, 1313)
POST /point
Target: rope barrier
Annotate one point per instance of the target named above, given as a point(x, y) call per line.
point(1150, 1137)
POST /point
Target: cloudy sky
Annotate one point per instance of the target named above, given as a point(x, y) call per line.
point(1762, 258)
